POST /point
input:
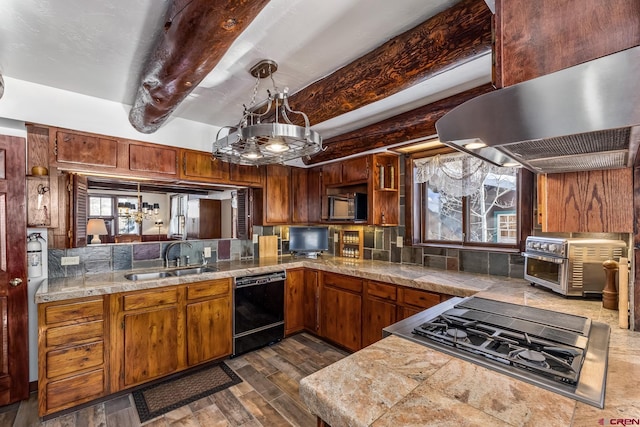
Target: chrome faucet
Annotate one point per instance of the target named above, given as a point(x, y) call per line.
point(169, 246)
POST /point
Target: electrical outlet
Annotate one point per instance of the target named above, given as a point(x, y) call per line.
point(70, 260)
point(207, 252)
point(335, 237)
point(255, 238)
point(399, 241)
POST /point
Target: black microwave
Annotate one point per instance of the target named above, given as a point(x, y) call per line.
point(348, 207)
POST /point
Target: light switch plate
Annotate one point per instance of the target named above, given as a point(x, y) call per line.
point(335, 237)
point(70, 260)
point(207, 252)
point(399, 241)
point(255, 238)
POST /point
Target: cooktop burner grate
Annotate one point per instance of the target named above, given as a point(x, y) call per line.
point(563, 353)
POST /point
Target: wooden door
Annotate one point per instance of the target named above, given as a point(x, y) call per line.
point(299, 196)
point(342, 317)
point(14, 354)
point(355, 170)
point(293, 301)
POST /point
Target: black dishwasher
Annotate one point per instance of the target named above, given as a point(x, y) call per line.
point(258, 312)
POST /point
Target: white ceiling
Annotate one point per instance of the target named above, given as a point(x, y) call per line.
point(98, 48)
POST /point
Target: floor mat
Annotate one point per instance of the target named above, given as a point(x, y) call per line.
point(158, 399)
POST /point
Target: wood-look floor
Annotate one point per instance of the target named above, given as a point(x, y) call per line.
point(268, 395)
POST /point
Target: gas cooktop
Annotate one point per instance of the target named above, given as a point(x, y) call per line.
point(564, 353)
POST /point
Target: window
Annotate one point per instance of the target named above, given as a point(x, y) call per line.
point(462, 199)
point(104, 207)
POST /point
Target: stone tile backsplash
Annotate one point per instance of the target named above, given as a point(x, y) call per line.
point(110, 257)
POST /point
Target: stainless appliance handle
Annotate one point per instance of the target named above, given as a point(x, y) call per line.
point(551, 259)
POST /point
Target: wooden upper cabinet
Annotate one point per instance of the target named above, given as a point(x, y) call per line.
point(535, 38)
point(86, 150)
point(246, 174)
point(200, 166)
point(332, 174)
point(271, 204)
point(314, 195)
point(595, 202)
point(299, 196)
point(155, 159)
point(346, 172)
point(355, 170)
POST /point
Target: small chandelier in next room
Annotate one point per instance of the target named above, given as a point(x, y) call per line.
point(266, 134)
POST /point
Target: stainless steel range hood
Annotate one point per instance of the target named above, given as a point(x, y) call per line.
point(580, 118)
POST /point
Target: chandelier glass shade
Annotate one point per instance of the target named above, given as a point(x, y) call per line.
point(266, 134)
point(143, 211)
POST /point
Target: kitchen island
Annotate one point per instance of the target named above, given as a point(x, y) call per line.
point(397, 382)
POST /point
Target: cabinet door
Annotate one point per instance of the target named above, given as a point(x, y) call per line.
point(153, 159)
point(377, 314)
point(199, 166)
point(150, 344)
point(209, 330)
point(246, 174)
point(72, 148)
point(299, 196)
point(316, 209)
point(355, 170)
point(293, 301)
point(591, 202)
point(379, 310)
point(342, 317)
point(332, 174)
point(311, 301)
point(276, 200)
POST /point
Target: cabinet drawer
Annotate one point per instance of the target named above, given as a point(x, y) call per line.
point(150, 299)
point(77, 389)
point(65, 335)
point(422, 299)
point(381, 290)
point(342, 282)
point(72, 359)
point(74, 312)
point(208, 289)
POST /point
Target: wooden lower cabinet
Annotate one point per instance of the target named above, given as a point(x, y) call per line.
point(72, 353)
point(209, 321)
point(150, 342)
point(91, 347)
point(379, 310)
point(412, 301)
point(311, 301)
point(341, 314)
point(294, 301)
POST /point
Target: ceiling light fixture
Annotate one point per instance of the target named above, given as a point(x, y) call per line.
point(266, 134)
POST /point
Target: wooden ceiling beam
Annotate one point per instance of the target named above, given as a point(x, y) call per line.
point(414, 124)
point(196, 35)
point(452, 37)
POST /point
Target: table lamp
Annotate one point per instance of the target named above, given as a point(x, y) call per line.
point(96, 227)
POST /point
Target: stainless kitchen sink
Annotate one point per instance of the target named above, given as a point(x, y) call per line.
point(147, 276)
point(169, 273)
point(193, 270)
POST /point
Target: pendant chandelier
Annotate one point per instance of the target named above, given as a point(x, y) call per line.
point(265, 134)
point(144, 210)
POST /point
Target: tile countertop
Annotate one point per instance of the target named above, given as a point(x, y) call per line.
point(396, 382)
point(450, 283)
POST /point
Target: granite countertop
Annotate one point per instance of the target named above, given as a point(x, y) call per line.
point(450, 283)
point(396, 382)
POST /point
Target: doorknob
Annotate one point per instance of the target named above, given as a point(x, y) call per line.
point(15, 282)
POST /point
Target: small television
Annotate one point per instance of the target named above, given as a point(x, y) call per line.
point(308, 241)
